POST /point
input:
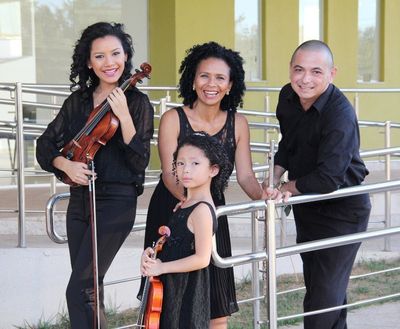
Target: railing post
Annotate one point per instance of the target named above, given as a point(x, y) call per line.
point(267, 107)
point(21, 165)
point(163, 106)
point(53, 179)
point(271, 300)
point(270, 243)
point(283, 227)
point(388, 194)
point(255, 282)
point(357, 104)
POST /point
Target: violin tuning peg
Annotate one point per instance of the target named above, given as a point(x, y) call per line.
point(137, 70)
point(140, 81)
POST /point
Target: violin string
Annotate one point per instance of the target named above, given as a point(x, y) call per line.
point(103, 110)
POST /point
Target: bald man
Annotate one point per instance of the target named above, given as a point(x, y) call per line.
point(320, 150)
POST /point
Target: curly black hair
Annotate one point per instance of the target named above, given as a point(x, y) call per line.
point(215, 153)
point(189, 65)
point(81, 75)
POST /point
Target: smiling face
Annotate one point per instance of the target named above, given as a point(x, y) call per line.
point(107, 59)
point(311, 73)
point(193, 167)
point(212, 81)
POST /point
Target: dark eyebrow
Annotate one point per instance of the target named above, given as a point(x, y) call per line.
point(102, 52)
point(301, 67)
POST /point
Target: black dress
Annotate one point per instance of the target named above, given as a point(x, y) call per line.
point(162, 203)
point(186, 296)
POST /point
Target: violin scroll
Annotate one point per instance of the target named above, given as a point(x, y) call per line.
point(144, 72)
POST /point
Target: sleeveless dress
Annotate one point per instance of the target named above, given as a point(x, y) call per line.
point(162, 203)
point(186, 296)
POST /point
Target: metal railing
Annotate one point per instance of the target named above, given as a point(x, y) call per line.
point(271, 253)
point(18, 129)
point(268, 256)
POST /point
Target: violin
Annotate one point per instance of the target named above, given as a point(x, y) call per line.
point(152, 298)
point(99, 128)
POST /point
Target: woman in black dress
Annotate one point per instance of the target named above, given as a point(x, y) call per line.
point(101, 61)
point(212, 86)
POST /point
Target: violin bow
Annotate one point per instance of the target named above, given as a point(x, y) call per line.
point(93, 225)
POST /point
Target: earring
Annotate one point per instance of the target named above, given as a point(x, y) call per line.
point(227, 92)
point(193, 88)
point(89, 67)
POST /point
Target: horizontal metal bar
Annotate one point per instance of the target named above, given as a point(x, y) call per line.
point(134, 278)
point(361, 276)
point(336, 308)
point(353, 190)
point(372, 153)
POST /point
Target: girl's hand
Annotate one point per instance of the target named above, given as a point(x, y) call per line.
point(148, 265)
point(118, 103)
point(152, 267)
point(146, 257)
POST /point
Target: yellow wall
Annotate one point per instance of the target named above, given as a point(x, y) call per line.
point(176, 25)
point(341, 34)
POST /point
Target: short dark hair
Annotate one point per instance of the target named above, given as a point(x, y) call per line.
point(215, 153)
point(81, 75)
point(207, 50)
point(315, 45)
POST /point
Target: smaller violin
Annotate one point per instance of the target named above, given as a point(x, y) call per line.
point(152, 298)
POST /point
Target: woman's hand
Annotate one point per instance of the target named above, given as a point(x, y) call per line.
point(78, 172)
point(119, 104)
point(179, 204)
point(274, 193)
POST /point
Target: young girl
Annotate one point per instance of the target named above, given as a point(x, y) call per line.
point(201, 165)
point(101, 62)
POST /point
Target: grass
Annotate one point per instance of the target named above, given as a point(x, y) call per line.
point(291, 303)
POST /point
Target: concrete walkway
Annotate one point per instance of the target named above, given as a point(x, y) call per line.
point(33, 280)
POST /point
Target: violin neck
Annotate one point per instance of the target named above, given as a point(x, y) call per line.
point(143, 303)
point(145, 294)
point(105, 107)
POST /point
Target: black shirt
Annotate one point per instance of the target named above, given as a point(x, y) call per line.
point(320, 146)
point(115, 162)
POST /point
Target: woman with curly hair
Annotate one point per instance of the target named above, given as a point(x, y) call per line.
point(101, 62)
point(212, 86)
point(202, 166)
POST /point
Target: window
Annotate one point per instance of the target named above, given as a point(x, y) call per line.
point(310, 20)
point(369, 43)
point(248, 36)
point(10, 30)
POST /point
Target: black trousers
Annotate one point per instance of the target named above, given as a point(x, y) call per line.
point(327, 271)
point(115, 212)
